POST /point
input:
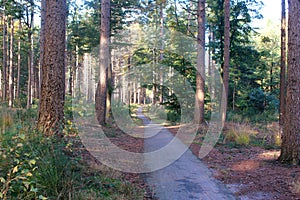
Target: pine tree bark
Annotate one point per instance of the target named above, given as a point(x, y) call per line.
point(42, 40)
point(226, 47)
point(109, 90)
point(282, 65)
point(154, 88)
point(19, 62)
point(51, 108)
point(213, 69)
point(30, 70)
point(4, 69)
point(36, 81)
point(29, 85)
point(290, 148)
point(200, 74)
point(30, 16)
point(161, 56)
point(101, 92)
point(11, 67)
point(70, 91)
point(128, 89)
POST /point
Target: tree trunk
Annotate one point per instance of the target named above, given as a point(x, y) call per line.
point(19, 62)
point(154, 77)
point(70, 92)
point(72, 69)
point(109, 90)
point(233, 95)
point(290, 148)
point(75, 70)
point(29, 64)
point(42, 39)
point(51, 109)
point(36, 80)
point(226, 47)
point(189, 17)
point(213, 69)
point(11, 68)
point(30, 84)
point(4, 69)
point(209, 53)
point(282, 65)
point(101, 92)
point(200, 74)
point(128, 82)
point(161, 56)
point(271, 77)
point(91, 92)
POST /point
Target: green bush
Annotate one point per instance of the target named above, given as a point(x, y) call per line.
point(230, 136)
point(243, 139)
point(239, 134)
point(33, 166)
point(18, 166)
point(173, 116)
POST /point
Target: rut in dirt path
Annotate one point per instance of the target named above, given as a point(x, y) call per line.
point(186, 178)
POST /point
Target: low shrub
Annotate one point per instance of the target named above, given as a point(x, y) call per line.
point(243, 139)
point(239, 134)
point(33, 166)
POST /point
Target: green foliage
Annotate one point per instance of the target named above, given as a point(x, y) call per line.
point(242, 12)
point(78, 107)
point(257, 100)
point(253, 86)
point(157, 113)
point(239, 134)
point(18, 163)
point(58, 174)
point(33, 166)
point(84, 27)
point(173, 108)
point(252, 116)
point(243, 139)
point(12, 8)
point(173, 116)
point(242, 134)
point(249, 87)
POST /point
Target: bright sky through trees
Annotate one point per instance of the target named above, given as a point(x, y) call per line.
point(270, 11)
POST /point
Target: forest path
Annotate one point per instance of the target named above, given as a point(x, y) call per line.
point(186, 178)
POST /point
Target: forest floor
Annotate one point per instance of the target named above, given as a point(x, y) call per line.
point(119, 138)
point(251, 172)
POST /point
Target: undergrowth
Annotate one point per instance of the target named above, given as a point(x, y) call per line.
point(246, 134)
point(33, 166)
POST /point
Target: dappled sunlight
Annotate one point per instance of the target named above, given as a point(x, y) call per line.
point(246, 165)
point(175, 126)
point(269, 155)
point(249, 165)
point(188, 130)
